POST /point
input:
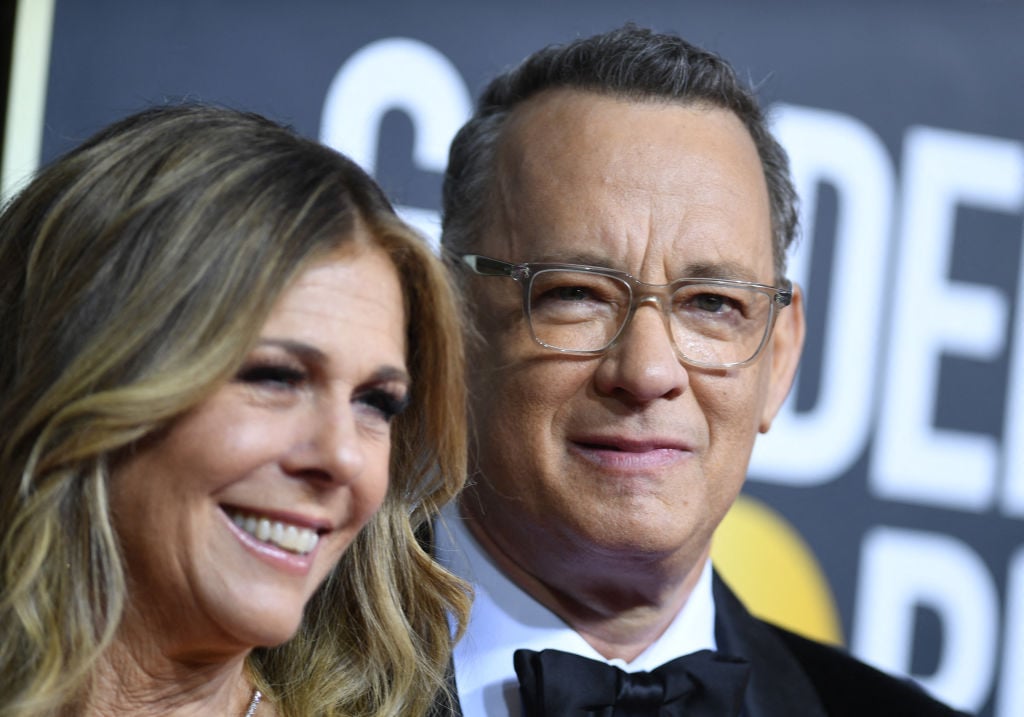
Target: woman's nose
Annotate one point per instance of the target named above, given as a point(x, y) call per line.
point(329, 447)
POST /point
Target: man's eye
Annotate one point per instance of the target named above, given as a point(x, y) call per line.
point(271, 376)
point(710, 302)
point(558, 294)
point(572, 293)
point(578, 293)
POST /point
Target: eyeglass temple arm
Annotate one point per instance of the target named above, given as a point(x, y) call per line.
point(487, 267)
point(784, 297)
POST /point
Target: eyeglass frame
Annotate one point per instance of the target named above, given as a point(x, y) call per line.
point(525, 272)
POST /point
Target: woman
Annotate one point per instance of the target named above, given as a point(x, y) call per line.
point(210, 327)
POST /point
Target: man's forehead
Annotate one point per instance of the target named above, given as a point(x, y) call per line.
point(564, 135)
point(569, 113)
point(595, 179)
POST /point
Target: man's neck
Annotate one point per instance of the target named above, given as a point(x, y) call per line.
point(619, 606)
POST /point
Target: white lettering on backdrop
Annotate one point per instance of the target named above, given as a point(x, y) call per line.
point(932, 315)
point(817, 446)
point(397, 73)
point(902, 570)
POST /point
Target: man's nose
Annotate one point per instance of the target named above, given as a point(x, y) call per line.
point(644, 363)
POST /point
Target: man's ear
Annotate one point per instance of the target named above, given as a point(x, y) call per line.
point(787, 345)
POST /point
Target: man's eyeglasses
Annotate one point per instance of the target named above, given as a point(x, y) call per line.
point(576, 309)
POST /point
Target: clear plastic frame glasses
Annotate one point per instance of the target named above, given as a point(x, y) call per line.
point(583, 310)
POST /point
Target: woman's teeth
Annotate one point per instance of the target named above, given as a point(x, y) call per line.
point(289, 537)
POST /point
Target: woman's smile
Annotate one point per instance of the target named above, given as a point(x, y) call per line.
point(288, 536)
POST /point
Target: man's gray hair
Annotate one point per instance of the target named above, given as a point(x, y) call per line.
point(630, 62)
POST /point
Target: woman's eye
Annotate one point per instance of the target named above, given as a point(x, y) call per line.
point(385, 403)
point(272, 376)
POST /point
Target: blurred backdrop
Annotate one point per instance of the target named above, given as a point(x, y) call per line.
point(885, 510)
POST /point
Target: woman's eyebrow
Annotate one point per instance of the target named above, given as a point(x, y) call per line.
point(389, 374)
point(312, 354)
point(300, 349)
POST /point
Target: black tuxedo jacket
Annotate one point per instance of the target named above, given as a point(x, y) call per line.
point(791, 676)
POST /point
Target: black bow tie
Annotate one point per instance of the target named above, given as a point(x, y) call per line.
point(558, 684)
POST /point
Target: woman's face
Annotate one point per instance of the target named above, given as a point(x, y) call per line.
point(231, 518)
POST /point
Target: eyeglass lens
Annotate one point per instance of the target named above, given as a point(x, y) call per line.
point(711, 324)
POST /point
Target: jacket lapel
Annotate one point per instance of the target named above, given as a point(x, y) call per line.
point(779, 686)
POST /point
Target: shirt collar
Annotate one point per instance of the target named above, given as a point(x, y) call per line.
point(504, 619)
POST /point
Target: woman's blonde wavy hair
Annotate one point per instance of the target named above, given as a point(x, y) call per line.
point(135, 275)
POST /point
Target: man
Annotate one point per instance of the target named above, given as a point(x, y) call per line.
point(619, 215)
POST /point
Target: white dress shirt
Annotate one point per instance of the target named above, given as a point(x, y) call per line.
point(505, 619)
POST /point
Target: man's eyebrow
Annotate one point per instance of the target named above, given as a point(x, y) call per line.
point(719, 270)
point(584, 258)
point(696, 269)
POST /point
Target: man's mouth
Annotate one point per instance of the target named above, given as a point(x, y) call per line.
point(632, 455)
point(631, 446)
point(293, 538)
point(598, 446)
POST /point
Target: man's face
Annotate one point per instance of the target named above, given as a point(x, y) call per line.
point(630, 454)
